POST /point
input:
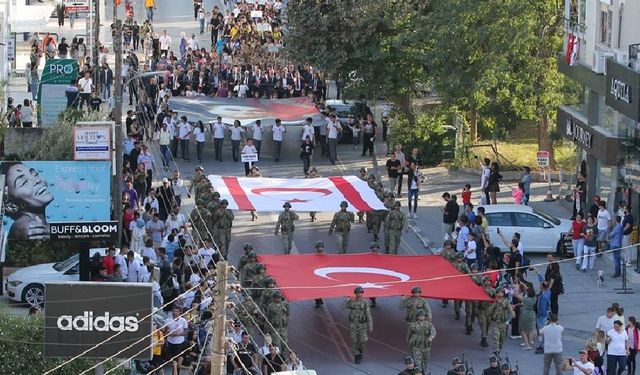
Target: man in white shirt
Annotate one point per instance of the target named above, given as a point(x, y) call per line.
point(604, 221)
point(583, 366)
point(134, 267)
point(236, 132)
point(248, 149)
point(605, 322)
point(179, 189)
point(193, 43)
point(207, 253)
point(184, 133)
point(552, 334)
point(278, 133)
point(165, 43)
point(470, 252)
point(164, 140)
point(218, 129)
point(333, 128)
point(172, 123)
point(176, 329)
point(173, 222)
point(257, 136)
point(85, 85)
point(149, 251)
point(121, 259)
point(308, 130)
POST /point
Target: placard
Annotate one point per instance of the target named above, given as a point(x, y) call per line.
point(249, 158)
point(92, 143)
point(256, 14)
point(543, 158)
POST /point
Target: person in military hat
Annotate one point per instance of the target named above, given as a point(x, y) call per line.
point(363, 174)
point(448, 252)
point(244, 258)
point(420, 334)
point(483, 311)
point(258, 281)
point(199, 175)
point(457, 367)
point(313, 173)
point(471, 307)
point(360, 322)
point(375, 218)
point(500, 313)
point(285, 226)
point(410, 368)
point(506, 369)
point(341, 223)
point(278, 316)
point(397, 223)
point(199, 217)
point(249, 270)
point(413, 303)
point(224, 221)
point(494, 367)
point(319, 246)
point(267, 294)
point(213, 206)
point(374, 248)
point(462, 267)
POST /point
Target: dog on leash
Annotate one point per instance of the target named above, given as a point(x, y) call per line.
point(600, 279)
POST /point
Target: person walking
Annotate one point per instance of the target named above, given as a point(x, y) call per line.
point(556, 284)
point(627, 228)
point(396, 222)
point(306, 150)
point(218, 129)
point(184, 134)
point(526, 182)
point(198, 133)
point(494, 182)
point(256, 136)
point(552, 334)
point(285, 227)
point(278, 315)
point(60, 13)
point(368, 135)
point(500, 313)
point(278, 131)
point(248, 149)
point(420, 334)
point(150, 5)
point(360, 322)
point(590, 244)
point(617, 349)
point(236, 132)
point(413, 187)
point(450, 213)
point(341, 223)
point(577, 239)
point(333, 129)
point(393, 168)
point(615, 243)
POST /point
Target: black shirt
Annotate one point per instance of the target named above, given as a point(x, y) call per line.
point(95, 103)
point(451, 211)
point(273, 364)
point(492, 371)
point(392, 168)
point(245, 354)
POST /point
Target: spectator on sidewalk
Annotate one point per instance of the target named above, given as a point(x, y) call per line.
point(615, 243)
point(627, 228)
point(333, 129)
point(617, 349)
point(449, 214)
point(484, 180)
point(393, 166)
point(526, 181)
point(552, 334)
point(400, 157)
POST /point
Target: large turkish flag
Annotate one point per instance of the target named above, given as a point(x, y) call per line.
point(303, 277)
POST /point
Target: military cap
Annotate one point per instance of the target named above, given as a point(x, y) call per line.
point(421, 312)
point(200, 168)
point(396, 204)
point(363, 170)
point(277, 294)
point(458, 256)
point(224, 201)
point(286, 205)
point(358, 289)
point(506, 366)
point(247, 246)
point(473, 266)
point(416, 289)
point(260, 267)
point(271, 280)
point(493, 359)
point(344, 204)
point(485, 279)
point(319, 244)
point(448, 242)
point(216, 194)
point(408, 360)
point(252, 255)
point(374, 244)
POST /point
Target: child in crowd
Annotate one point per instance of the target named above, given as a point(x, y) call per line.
point(466, 195)
point(518, 193)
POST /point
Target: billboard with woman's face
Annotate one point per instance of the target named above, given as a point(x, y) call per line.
point(40, 193)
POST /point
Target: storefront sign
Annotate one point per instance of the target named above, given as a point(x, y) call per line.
point(578, 134)
point(92, 143)
point(623, 89)
point(87, 231)
point(56, 77)
point(81, 316)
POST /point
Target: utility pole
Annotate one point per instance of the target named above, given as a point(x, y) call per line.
point(95, 56)
point(218, 334)
point(117, 114)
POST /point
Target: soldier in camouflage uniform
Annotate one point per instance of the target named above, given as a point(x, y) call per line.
point(278, 315)
point(397, 223)
point(471, 307)
point(419, 336)
point(360, 322)
point(204, 193)
point(258, 281)
point(247, 311)
point(371, 182)
point(483, 310)
point(244, 258)
point(213, 205)
point(363, 176)
point(461, 266)
point(224, 221)
point(412, 304)
point(266, 297)
point(313, 174)
point(197, 177)
point(286, 226)
point(448, 252)
point(248, 271)
point(500, 313)
point(376, 217)
point(342, 224)
point(389, 201)
point(374, 248)
point(199, 217)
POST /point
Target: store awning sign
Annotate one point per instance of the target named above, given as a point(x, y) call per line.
point(578, 134)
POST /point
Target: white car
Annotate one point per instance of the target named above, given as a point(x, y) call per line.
point(27, 284)
point(540, 232)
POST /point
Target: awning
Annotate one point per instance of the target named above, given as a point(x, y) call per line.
point(305, 277)
point(31, 18)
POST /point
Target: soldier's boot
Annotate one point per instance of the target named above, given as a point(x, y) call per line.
point(375, 237)
point(319, 302)
point(358, 359)
point(313, 216)
point(484, 342)
point(254, 216)
point(373, 302)
point(445, 303)
point(468, 330)
point(360, 215)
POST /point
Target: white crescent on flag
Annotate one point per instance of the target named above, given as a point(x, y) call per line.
point(317, 194)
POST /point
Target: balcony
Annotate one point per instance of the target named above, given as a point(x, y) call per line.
point(571, 25)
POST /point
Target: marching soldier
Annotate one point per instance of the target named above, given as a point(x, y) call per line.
point(412, 304)
point(249, 270)
point(247, 311)
point(244, 258)
point(267, 294)
point(411, 368)
point(319, 246)
point(448, 253)
point(363, 176)
point(371, 182)
point(258, 282)
point(374, 248)
point(214, 204)
point(389, 201)
point(313, 174)
point(483, 311)
point(360, 322)
point(419, 336)
point(278, 315)
point(224, 221)
point(397, 223)
point(255, 172)
point(204, 193)
point(471, 307)
point(461, 266)
point(286, 226)
point(500, 313)
point(376, 217)
point(195, 180)
point(199, 217)
point(342, 224)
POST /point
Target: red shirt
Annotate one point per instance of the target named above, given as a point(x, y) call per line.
point(466, 197)
point(107, 262)
point(577, 227)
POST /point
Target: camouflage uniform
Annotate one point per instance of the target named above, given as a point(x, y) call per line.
point(449, 254)
point(499, 316)
point(258, 282)
point(360, 322)
point(278, 315)
point(461, 266)
point(419, 336)
point(371, 181)
point(389, 202)
point(286, 227)
point(363, 176)
point(199, 217)
point(266, 297)
point(483, 311)
point(247, 313)
point(396, 222)
point(471, 307)
point(248, 271)
point(342, 224)
point(224, 221)
point(244, 258)
point(411, 306)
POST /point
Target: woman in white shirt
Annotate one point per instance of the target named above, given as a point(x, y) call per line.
point(618, 348)
point(27, 114)
point(198, 132)
point(293, 363)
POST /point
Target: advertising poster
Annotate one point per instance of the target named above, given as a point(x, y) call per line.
point(92, 143)
point(56, 77)
point(118, 312)
point(38, 194)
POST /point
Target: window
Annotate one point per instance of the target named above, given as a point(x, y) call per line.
point(529, 221)
point(606, 18)
point(500, 219)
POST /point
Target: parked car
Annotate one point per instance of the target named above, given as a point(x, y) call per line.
point(540, 232)
point(27, 284)
point(344, 108)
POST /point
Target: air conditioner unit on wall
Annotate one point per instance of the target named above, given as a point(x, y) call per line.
point(600, 61)
point(622, 56)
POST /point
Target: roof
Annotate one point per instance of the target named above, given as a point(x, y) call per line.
point(506, 207)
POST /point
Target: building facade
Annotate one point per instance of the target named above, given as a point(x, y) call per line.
point(601, 53)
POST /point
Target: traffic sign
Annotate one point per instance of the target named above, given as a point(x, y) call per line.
point(543, 158)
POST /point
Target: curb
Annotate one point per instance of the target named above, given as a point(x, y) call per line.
point(421, 237)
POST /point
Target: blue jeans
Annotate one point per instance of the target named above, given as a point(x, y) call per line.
point(525, 199)
point(413, 194)
point(150, 14)
point(106, 91)
point(166, 155)
point(616, 364)
point(616, 261)
point(201, 25)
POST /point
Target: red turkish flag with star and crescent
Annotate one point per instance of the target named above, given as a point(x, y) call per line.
point(305, 277)
point(314, 194)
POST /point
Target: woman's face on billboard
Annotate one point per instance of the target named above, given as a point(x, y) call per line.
point(24, 185)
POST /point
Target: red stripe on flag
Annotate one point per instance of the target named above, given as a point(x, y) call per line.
point(351, 194)
point(238, 194)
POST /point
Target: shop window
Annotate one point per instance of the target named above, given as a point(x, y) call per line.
point(606, 116)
